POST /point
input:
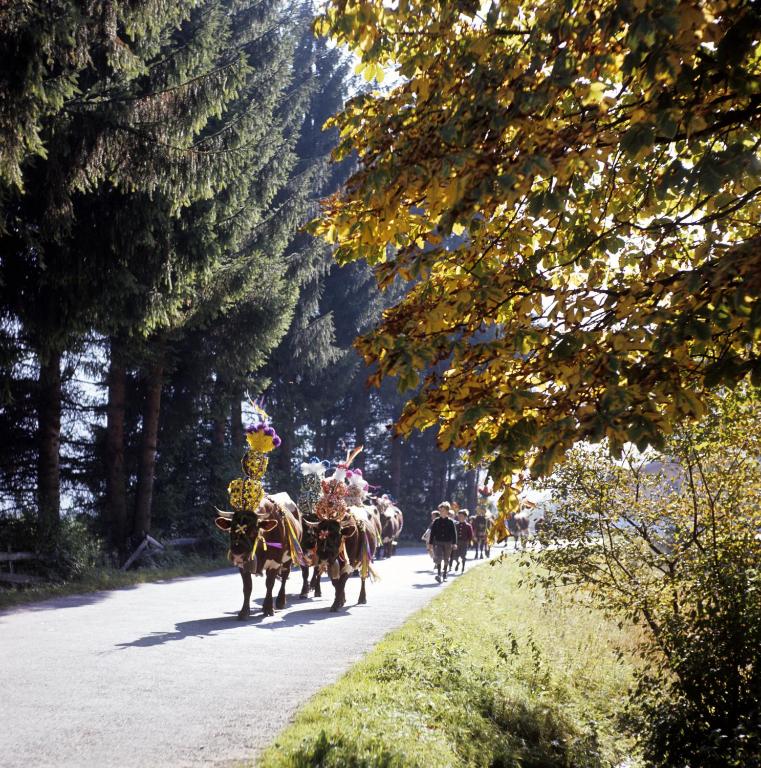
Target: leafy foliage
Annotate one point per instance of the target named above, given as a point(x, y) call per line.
point(672, 541)
point(597, 164)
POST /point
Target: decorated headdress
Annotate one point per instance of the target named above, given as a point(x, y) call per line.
point(312, 472)
point(358, 487)
point(332, 504)
point(246, 492)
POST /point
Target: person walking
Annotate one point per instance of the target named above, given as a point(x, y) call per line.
point(443, 539)
point(426, 537)
point(464, 538)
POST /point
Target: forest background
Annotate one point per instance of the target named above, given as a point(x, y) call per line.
point(158, 164)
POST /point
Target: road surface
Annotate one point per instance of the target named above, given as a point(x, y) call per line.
point(162, 675)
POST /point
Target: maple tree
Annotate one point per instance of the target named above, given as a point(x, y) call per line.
point(670, 541)
point(572, 192)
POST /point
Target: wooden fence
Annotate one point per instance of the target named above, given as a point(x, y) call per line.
point(147, 546)
point(18, 578)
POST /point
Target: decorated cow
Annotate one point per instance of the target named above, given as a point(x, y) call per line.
point(357, 495)
point(312, 474)
point(265, 531)
point(392, 522)
point(482, 521)
point(346, 535)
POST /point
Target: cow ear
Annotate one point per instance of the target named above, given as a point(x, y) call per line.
point(223, 524)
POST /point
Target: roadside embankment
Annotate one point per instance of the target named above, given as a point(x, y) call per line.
point(491, 673)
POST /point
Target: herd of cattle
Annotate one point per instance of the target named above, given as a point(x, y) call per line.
point(336, 527)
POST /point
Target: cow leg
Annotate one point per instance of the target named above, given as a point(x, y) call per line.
point(340, 599)
point(315, 584)
point(270, 578)
point(362, 595)
point(245, 610)
point(304, 581)
point(280, 602)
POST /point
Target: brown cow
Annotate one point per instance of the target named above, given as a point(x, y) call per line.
point(391, 521)
point(264, 542)
point(344, 547)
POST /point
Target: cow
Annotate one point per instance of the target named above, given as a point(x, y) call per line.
point(518, 528)
point(345, 546)
point(312, 472)
point(391, 521)
point(264, 542)
point(309, 548)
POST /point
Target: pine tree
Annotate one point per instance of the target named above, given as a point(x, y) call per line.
point(144, 81)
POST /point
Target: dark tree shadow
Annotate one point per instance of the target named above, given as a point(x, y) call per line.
point(90, 598)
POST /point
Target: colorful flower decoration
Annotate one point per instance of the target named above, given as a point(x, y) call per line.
point(332, 504)
point(261, 437)
point(246, 492)
point(312, 472)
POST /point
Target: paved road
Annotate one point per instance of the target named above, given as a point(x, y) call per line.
point(162, 675)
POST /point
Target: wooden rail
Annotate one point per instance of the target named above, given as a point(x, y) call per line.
point(12, 557)
point(18, 578)
point(149, 545)
point(146, 547)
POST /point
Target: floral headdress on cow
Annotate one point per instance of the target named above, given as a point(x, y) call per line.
point(332, 504)
point(312, 474)
point(246, 492)
point(357, 488)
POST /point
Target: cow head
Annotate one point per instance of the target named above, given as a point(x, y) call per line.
point(329, 534)
point(244, 529)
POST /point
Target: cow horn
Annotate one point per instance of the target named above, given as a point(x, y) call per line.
point(224, 513)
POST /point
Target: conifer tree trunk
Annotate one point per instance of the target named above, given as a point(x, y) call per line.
point(216, 461)
point(397, 450)
point(285, 429)
point(116, 482)
point(49, 441)
point(219, 422)
point(147, 463)
point(471, 490)
point(236, 422)
point(360, 428)
point(439, 476)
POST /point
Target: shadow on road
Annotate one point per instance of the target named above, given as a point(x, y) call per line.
point(213, 626)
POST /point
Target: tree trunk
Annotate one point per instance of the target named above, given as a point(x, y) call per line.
point(49, 442)
point(360, 428)
point(439, 476)
point(116, 482)
point(397, 449)
point(284, 456)
point(217, 459)
point(147, 463)
point(471, 490)
point(236, 423)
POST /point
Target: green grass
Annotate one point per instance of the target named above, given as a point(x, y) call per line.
point(489, 674)
point(100, 579)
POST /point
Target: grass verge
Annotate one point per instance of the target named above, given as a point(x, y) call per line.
point(489, 674)
point(100, 579)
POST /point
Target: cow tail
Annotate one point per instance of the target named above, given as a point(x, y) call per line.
point(366, 568)
point(297, 554)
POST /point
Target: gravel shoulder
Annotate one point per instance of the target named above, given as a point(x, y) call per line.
point(163, 675)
